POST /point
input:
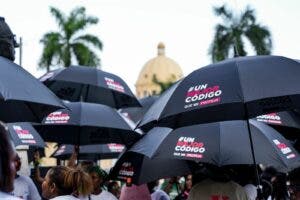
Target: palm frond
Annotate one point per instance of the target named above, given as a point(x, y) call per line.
point(248, 17)
point(220, 46)
point(90, 39)
point(78, 20)
point(223, 12)
point(84, 55)
point(51, 49)
point(59, 16)
point(260, 38)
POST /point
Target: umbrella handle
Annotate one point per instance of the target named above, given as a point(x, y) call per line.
point(252, 149)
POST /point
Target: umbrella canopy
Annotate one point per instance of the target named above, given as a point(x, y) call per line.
point(235, 89)
point(23, 97)
point(88, 84)
point(136, 113)
point(90, 152)
point(86, 123)
point(285, 118)
point(286, 122)
point(23, 133)
point(221, 144)
point(140, 169)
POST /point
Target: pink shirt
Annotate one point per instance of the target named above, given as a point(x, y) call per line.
point(135, 192)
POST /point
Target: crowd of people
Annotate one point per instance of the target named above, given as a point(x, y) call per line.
point(87, 181)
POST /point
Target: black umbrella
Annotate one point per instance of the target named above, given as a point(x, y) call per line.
point(86, 123)
point(285, 119)
point(234, 89)
point(90, 152)
point(138, 169)
point(88, 84)
point(23, 97)
point(23, 133)
point(221, 144)
point(286, 122)
point(136, 113)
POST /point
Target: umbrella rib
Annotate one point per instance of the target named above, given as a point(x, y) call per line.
point(220, 141)
point(280, 160)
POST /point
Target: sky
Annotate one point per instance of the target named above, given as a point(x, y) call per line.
point(131, 29)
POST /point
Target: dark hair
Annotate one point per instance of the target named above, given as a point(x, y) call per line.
point(100, 172)
point(112, 186)
point(7, 41)
point(6, 152)
point(280, 188)
point(151, 185)
point(70, 181)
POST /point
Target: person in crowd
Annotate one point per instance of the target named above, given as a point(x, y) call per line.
point(7, 167)
point(187, 188)
point(157, 194)
point(267, 178)
point(37, 174)
point(98, 176)
point(114, 188)
point(217, 185)
point(294, 186)
point(23, 185)
point(7, 41)
point(64, 183)
point(280, 190)
point(172, 187)
point(135, 192)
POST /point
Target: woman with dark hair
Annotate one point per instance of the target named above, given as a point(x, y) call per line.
point(64, 183)
point(98, 177)
point(7, 167)
point(187, 188)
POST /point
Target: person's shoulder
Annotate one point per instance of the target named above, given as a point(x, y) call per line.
point(159, 193)
point(24, 179)
point(5, 196)
point(108, 195)
point(65, 197)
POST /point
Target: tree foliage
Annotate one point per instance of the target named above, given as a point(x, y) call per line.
point(231, 33)
point(70, 42)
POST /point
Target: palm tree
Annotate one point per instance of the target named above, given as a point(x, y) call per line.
point(68, 42)
point(230, 34)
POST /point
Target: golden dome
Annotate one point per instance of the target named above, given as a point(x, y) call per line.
point(163, 68)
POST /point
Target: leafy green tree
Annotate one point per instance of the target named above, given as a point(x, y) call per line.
point(230, 34)
point(70, 42)
point(163, 85)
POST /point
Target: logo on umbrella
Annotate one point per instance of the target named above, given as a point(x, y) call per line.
point(25, 136)
point(284, 149)
point(188, 147)
point(57, 117)
point(61, 150)
point(201, 95)
point(126, 170)
point(112, 84)
point(272, 118)
point(115, 147)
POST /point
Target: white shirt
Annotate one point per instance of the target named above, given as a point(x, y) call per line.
point(159, 195)
point(104, 195)
point(251, 191)
point(65, 197)
point(5, 196)
point(25, 188)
